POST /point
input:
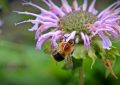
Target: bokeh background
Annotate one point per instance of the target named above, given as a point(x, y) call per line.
point(21, 64)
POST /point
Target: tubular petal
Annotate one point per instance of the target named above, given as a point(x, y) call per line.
point(72, 36)
point(75, 5)
point(92, 6)
point(84, 7)
point(105, 41)
point(66, 7)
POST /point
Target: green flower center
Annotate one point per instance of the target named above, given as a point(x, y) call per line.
point(77, 21)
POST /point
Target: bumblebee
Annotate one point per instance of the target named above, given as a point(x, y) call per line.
point(63, 50)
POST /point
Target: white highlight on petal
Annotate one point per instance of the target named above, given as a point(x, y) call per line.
point(27, 13)
point(95, 12)
point(66, 7)
point(85, 3)
point(32, 21)
point(75, 5)
point(72, 36)
point(92, 6)
point(66, 35)
point(35, 27)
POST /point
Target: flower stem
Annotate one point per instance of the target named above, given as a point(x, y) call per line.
point(81, 74)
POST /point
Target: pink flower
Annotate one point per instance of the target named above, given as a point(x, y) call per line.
point(105, 24)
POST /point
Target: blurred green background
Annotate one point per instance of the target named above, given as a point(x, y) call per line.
point(21, 64)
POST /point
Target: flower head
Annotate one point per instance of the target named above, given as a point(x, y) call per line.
point(83, 24)
point(75, 20)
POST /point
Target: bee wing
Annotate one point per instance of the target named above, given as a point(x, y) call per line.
point(68, 62)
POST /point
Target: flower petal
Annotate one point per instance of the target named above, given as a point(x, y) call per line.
point(72, 36)
point(45, 37)
point(86, 40)
point(55, 38)
point(42, 39)
point(108, 8)
point(54, 8)
point(43, 28)
point(66, 7)
point(43, 11)
point(105, 41)
point(92, 6)
point(75, 5)
point(85, 4)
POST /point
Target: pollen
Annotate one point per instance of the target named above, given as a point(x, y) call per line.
point(77, 21)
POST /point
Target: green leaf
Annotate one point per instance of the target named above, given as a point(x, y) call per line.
point(91, 54)
point(79, 52)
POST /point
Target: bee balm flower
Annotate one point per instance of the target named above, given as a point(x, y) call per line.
point(75, 20)
point(83, 24)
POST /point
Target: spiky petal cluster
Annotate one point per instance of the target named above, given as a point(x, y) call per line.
point(107, 24)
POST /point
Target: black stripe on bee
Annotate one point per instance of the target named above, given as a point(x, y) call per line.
point(58, 57)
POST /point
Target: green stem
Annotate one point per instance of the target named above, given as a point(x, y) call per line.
point(81, 74)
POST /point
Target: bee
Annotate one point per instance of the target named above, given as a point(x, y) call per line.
point(64, 52)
